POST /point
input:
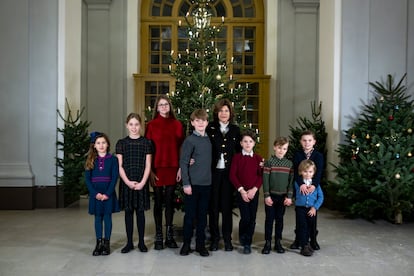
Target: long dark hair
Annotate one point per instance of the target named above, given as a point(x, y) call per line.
point(155, 110)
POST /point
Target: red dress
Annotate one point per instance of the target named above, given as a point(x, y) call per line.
point(167, 136)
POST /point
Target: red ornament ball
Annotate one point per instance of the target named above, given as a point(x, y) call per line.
point(390, 117)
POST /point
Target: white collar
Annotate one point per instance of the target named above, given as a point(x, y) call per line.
point(247, 153)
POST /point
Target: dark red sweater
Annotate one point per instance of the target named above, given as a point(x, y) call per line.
point(245, 171)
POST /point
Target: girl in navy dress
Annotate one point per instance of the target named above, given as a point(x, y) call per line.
point(101, 176)
point(134, 157)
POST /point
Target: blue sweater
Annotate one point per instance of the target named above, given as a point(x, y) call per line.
point(314, 199)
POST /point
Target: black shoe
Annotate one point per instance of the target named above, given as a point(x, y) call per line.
point(98, 248)
point(314, 245)
point(106, 249)
point(306, 251)
point(267, 247)
point(142, 247)
point(170, 243)
point(278, 247)
point(185, 249)
point(247, 249)
point(214, 246)
point(294, 245)
point(228, 246)
point(202, 251)
point(127, 248)
point(158, 245)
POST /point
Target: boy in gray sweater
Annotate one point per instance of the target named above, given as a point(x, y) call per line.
point(196, 182)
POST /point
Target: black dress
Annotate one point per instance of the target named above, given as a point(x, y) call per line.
point(134, 152)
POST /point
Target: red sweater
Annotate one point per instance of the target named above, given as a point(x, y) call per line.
point(166, 135)
point(245, 171)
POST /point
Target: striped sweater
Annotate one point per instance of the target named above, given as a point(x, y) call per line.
point(278, 177)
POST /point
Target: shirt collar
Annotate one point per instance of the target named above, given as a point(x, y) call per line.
point(247, 154)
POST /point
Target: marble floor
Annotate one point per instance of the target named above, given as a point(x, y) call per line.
point(60, 242)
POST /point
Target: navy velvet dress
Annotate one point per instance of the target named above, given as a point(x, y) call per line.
point(102, 179)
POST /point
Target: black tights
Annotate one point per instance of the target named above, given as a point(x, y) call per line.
point(129, 225)
point(164, 195)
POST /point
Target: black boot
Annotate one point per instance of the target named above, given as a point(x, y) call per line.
point(278, 247)
point(169, 238)
point(98, 248)
point(106, 250)
point(267, 247)
point(158, 244)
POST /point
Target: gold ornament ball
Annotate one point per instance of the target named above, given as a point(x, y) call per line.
point(367, 137)
point(410, 154)
point(371, 162)
point(378, 145)
point(378, 120)
point(409, 130)
point(397, 176)
point(218, 77)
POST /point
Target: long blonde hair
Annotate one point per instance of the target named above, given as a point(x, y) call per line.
point(92, 153)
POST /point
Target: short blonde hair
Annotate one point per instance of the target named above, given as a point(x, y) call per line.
point(199, 114)
point(306, 164)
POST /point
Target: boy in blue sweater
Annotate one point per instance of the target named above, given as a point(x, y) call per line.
point(196, 182)
point(306, 207)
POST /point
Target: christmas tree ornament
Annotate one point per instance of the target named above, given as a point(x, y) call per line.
point(378, 120)
point(367, 136)
point(397, 107)
point(382, 99)
point(218, 77)
point(378, 145)
point(371, 162)
point(409, 154)
point(397, 176)
point(409, 130)
point(391, 117)
point(397, 155)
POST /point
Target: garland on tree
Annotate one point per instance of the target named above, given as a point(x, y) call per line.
point(375, 176)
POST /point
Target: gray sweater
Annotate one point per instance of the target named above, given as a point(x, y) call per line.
point(199, 148)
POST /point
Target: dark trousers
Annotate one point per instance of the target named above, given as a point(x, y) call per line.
point(305, 225)
point(221, 199)
point(247, 223)
point(196, 208)
point(129, 225)
point(275, 214)
point(164, 196)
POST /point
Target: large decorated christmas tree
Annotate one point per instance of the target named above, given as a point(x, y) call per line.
point(201, 67)
point(375, 177)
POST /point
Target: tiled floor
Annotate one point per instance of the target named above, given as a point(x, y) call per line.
point(60, 242)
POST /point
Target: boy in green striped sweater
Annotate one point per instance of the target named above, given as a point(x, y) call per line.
point(278, 192)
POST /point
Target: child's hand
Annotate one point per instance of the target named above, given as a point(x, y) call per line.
point(104, 197)
point(304, 189)
point(268, 201)
point(132, 184)
point(312, 212)
point(251, 193)
point(188, 190)
point(178, 177)
point(139, 185)
point(261, 164)
point(311, 189)
point(192, 161)
point(245, 197)
point(287, 202)
point(98, 196)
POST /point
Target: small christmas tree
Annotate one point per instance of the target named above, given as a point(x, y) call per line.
point(74, 146)
point(201, 72)
point(375, 175)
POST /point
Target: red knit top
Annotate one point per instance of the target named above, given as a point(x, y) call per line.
point(167, 136)
point(245, 171)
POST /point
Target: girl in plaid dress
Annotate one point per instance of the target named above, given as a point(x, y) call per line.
point(134, 157)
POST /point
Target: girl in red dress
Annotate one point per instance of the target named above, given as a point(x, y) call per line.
point(166, 134)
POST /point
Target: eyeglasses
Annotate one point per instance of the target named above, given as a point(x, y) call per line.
point(164, 104)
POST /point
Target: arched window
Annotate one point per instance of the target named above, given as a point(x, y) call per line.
point(242, 37)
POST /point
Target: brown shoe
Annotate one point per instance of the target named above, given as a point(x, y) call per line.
point(306, 251)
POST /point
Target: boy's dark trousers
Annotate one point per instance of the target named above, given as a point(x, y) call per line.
point(275, 213)
point(221, 199)
point(196, 209)
point(305, 225)
point(247, 224)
